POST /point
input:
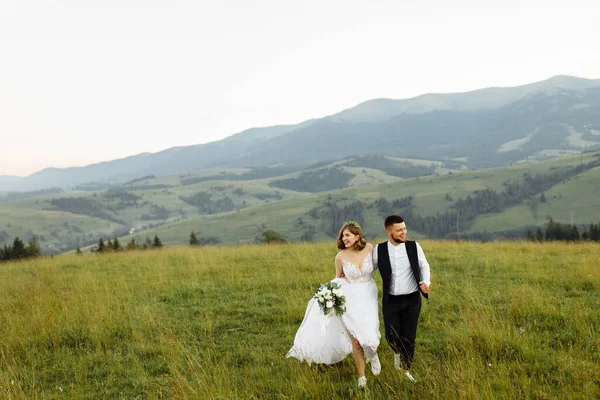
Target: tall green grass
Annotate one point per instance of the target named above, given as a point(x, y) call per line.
point(504, 320)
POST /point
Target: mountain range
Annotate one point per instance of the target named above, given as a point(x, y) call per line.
point(483, 128)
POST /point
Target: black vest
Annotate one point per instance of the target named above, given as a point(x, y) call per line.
point(385, 267)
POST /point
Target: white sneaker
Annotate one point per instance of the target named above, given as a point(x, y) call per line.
point(397, 362)
point(362, 381)
point(376, 365)
point(410, 377)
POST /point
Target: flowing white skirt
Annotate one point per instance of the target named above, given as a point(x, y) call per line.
point(324, 339)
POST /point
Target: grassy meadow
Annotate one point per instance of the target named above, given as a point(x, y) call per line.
point(504, 320)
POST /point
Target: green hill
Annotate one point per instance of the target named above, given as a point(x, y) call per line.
point(574, 201)
point(236, 205)
point(292, 218)
point(56, 230)
point(144, 203)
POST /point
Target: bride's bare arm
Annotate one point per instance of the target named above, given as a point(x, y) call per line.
point(339, 270)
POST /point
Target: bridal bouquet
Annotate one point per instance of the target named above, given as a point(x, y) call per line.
point(331, 298)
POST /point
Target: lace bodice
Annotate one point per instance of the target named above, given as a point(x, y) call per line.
point(356, 274)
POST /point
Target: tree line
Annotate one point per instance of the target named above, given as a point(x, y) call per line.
point(205, 204)
point(85, 206)
point(320, 180)
point(114, 245)
point(565, 232)
point(202, 241)
point(331, 214)
point(465, 211)
point(19, 251)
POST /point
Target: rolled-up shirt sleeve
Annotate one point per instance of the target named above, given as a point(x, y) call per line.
point(423, 265)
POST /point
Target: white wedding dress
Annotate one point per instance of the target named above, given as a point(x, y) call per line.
point(324, 339)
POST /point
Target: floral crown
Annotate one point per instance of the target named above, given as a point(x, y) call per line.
point(354, 224)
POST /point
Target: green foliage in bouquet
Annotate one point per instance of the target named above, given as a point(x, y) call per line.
point(330, 296)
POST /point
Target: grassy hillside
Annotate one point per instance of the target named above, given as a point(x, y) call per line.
point(577, 195)
point(575, 200)
point(235, 206)
point(151, 201)
point(504, 320)
point(53, 228)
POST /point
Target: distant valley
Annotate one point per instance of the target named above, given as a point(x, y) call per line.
point(231, 206)
point(485, 164)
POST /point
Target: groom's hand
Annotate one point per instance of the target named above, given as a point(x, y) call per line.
point(424, 287)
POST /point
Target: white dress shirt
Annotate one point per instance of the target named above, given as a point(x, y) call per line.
point(403, 280)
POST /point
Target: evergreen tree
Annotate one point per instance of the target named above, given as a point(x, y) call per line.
point(193, 239)
point(309, 234)
point(575, 234)
point(553, 231)
point(539, 236)
point(271, 236)
point(116, 244)
point(33, 248)
point(590, 232)
point(18, 249)
point(109, 245)
point(132, 245)
point(595, 232)
point(157, 243)
point(78, 252)
point(147, 243)
point(529, 236)
point(5, 253)
point(101, 246)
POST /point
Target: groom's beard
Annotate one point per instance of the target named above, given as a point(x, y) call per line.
point(398, 240)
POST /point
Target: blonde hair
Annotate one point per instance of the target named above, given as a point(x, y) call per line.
point(355, 229)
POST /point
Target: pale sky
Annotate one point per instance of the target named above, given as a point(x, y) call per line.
point(84, 81)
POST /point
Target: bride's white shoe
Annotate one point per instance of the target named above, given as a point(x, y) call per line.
point(375, 365)
point(362, 381)
point(410, 377)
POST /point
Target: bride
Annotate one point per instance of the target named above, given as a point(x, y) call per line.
point(329, 339)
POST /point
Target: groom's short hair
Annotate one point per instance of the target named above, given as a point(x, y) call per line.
point(393, 219)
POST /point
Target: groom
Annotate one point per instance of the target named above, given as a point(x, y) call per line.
point(405, 272)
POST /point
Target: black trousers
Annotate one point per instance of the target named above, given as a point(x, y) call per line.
point(400, 317)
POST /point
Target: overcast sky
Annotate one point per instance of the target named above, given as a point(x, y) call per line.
point(85, 81)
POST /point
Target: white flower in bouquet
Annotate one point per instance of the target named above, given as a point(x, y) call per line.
point(330, 297)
